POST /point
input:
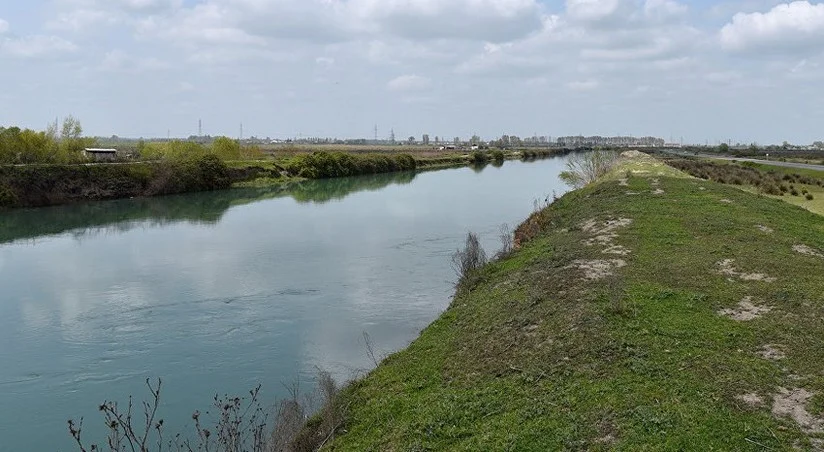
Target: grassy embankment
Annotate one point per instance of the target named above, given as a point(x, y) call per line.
point(181, 167)
point(656, 312)
point(802, 187)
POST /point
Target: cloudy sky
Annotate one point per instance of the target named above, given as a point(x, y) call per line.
point(745, 70)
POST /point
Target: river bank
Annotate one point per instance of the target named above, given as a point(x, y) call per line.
point(647, 311)
point(49, 185)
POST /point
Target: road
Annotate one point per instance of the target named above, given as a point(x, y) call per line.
point(764, 162)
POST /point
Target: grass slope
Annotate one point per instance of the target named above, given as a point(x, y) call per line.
point(815, 205)
point(533, 355)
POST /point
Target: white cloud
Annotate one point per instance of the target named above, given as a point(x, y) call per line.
point(795, 25)
point(81, 20)
point(333, 21)
point(593, 10)
point(117, 60)
point(664, 10)
point(35, 46)
point(409, 83)
point(583, 85)
point(4, 26)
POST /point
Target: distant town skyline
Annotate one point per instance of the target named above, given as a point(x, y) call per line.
point(700, 71)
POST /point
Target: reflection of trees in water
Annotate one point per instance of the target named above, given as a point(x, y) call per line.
point(325, 190)
point(116, 217)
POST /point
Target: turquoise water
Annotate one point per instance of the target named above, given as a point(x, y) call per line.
point(217, 292)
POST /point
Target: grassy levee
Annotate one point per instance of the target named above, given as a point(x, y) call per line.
point(46, 185)
point(606, 331)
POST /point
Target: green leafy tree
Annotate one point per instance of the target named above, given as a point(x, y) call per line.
point(724, 148)
point(226, 149)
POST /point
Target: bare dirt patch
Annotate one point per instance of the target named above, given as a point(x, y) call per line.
point(726, 201)
point(618, 250)
point(772, 352)
point(598, 269)
point(745, 311)
point(623, 182)
point(605, 235)
point(633, 154)
point(727, 268)
point(658, 191)
point(764, 229)
point(806, 250)
point(793, 404)
point(752, 399)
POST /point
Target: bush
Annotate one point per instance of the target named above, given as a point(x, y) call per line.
point(810, 197)
point(498, 156)
point(585, 168)
point(471, 258)
point(794, 192)
point(479, 158)
point(323, 165)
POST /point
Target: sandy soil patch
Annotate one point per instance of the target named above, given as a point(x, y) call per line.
point(726, 201)
point(764, 229)
point(702, 188)
point(727, 268)
point(793, 404)
point(633, 154)
point(806, 250)
point(772, 352)
point(658, 191)
point(623, 182)
point(598, 269)
point(751, 399)
point(618, 250)
point(605, 235)
point(745, 311)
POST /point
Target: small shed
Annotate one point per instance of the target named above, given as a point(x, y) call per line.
point(100, 155)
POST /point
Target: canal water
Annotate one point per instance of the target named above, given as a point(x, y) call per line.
point(219, 292)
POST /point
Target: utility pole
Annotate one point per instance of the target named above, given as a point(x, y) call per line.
point(241, 131)
point(199, 127)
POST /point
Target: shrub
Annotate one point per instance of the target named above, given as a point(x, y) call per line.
point(471, 258)
point(323, 165)
point(794, 192)
point(810, 197)
point(783, 188)
point(479, 158)
point(585, 168)
point(498, 156)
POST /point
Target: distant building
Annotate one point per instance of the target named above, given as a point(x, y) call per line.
point(100, 155)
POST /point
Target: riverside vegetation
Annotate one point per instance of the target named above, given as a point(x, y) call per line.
point(632, 314)
point(49, 168)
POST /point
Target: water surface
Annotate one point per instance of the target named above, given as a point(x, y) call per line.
point(217, 292)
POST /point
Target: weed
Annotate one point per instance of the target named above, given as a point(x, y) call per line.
point(585, 168)
point(470, 259)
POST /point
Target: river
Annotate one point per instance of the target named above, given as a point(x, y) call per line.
point(218, 292)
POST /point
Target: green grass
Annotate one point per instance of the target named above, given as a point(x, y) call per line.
point(532, 356)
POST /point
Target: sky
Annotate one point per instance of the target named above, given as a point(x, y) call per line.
point(701, 71)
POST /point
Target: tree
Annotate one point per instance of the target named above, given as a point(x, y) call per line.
point(226, 148)
point(411, 140)
point(724, 148)
point(425, 139)
point(71, 130)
